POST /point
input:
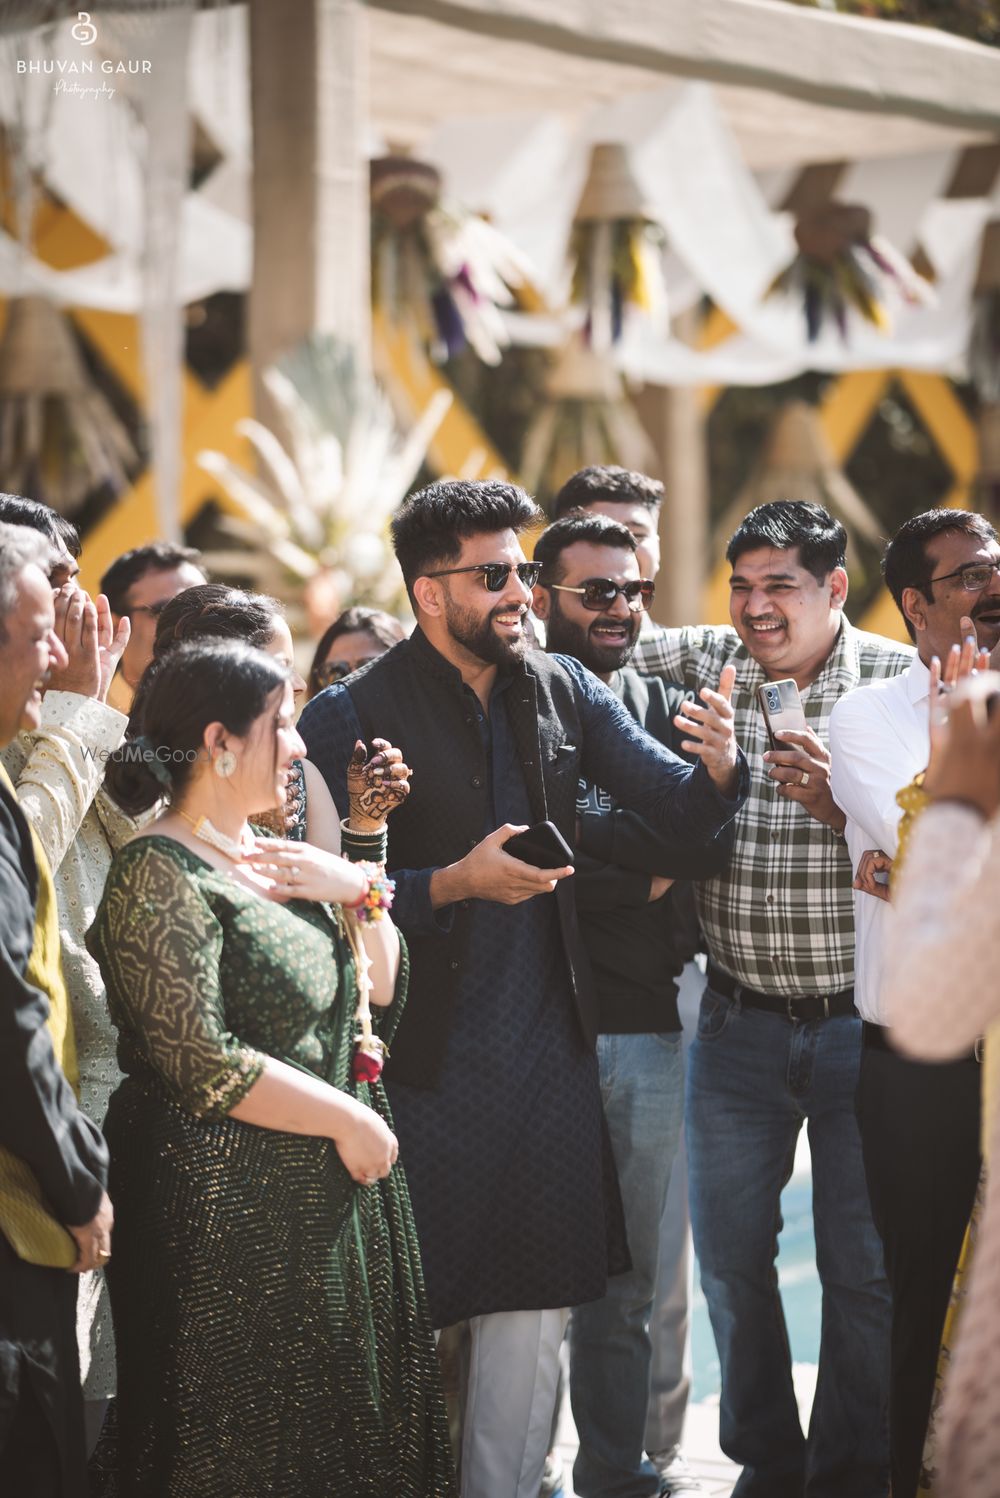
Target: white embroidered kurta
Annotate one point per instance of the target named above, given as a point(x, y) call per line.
point(941, 991)
point(58, 770)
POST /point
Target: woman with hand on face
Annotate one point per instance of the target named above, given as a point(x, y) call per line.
point(267, 1292)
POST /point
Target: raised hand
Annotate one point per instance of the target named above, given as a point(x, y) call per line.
point(711, 731)
point(965, 746)
point(111, 643)
point(376, 786)
point(76, 629)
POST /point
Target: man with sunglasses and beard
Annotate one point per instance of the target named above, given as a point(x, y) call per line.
point(592, 600)
point(492, 1079)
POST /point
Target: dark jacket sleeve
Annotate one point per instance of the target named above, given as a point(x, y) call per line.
point(625, 838)
point(676, 799)
point(39, 1118)
point(330, 727)
point(602, 885)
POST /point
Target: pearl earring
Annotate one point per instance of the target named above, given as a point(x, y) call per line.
point(224, 764)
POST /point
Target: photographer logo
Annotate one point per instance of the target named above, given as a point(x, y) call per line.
point(84, 32)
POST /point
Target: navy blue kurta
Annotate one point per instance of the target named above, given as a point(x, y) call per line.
point(507, 1218)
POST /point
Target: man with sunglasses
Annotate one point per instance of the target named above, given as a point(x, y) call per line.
point(919, 1122)
point(492, 1079)
point(592, 600)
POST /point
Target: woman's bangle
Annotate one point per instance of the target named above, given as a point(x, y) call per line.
point(363, 847)
point(378, 896)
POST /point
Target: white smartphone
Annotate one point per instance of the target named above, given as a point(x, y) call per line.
point(782, 708)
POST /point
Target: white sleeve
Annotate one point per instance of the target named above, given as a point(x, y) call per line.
point(939, 982)
point(864, 769)
point(67, 755)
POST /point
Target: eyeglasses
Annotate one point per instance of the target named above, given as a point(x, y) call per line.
point(974, 577)
point(332, 671)
point(599, 593)
point(495, 574)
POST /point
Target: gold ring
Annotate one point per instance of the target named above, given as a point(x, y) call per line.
point(805, 778)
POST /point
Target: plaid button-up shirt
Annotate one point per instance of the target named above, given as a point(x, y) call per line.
point(781, 917)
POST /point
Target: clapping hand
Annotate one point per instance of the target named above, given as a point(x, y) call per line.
point(93, 645)
point(965, 745)
point(376, 786)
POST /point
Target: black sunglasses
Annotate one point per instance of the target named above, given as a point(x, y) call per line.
point(599, 593)
point(495, 574)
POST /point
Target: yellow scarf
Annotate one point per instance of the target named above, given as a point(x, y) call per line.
point(25, 1220)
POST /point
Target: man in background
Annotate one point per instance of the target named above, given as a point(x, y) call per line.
point(779, 1039)
point(635, 500)
point(48, 1142)
point(137, 585)
point(592, 599)
point(919, 1121)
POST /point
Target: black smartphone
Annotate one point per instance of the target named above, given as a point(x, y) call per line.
point(543, 846)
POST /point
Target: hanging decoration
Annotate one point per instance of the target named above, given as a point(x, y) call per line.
point(318, 512)
point(984, 342)
point(586, 419)
point(438, 267)
point(842, 266)
point(60, 439)
point(616, 250)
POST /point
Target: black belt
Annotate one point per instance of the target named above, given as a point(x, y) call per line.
point(800, 1008)
point(876, 1038)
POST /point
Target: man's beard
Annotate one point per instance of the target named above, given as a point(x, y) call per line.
point(477, 635)
point(566, 637)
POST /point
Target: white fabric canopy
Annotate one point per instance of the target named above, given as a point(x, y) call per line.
point(713, 159)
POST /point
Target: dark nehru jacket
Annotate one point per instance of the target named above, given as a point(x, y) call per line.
point(561, 719)
point(493, 1078)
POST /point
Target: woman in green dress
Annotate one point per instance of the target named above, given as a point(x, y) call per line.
point(266, 1286)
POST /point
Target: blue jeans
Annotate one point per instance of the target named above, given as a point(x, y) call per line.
point(753, 1077)
point(642, 1082)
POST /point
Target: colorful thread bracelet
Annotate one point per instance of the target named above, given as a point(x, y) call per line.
point(377, 898)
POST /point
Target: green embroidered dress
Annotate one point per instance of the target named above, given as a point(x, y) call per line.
point(270, 1316)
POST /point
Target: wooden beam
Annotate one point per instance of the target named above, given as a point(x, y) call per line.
point(846, 62)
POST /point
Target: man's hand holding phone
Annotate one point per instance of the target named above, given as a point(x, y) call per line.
point(488, 872)
point(801, 768)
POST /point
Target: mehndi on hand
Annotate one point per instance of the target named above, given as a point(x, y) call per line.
point(375, 786)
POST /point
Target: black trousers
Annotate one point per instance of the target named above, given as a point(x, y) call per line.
point(41, 1407)
point(919, 1126)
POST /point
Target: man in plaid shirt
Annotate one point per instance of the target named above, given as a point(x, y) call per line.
point(779, 1041)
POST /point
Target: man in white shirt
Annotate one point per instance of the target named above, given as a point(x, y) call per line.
point(919, 1122)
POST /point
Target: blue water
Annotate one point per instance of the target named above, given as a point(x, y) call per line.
point(800, 1292)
